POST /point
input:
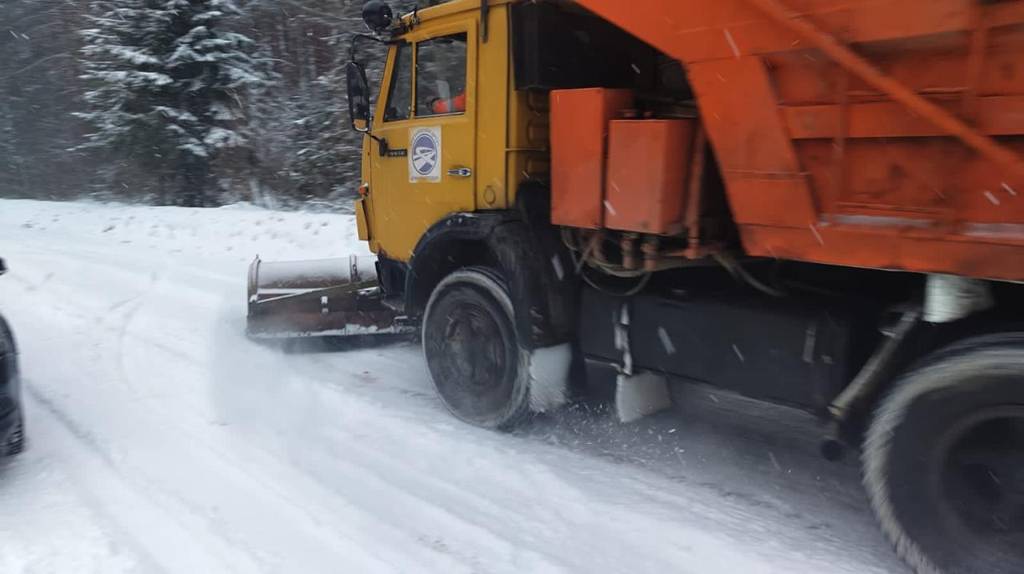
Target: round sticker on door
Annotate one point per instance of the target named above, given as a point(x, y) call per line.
point(425, 155)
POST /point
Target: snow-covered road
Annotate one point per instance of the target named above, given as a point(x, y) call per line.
point(162, 440)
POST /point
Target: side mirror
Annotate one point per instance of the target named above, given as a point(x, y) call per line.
point(3, 267)
point(358, 96)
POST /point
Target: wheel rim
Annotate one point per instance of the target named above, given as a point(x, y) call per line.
point(473, 350)
point(981, 482)
point(473, 356)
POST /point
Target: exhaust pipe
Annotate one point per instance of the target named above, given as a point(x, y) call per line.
point(318, 298)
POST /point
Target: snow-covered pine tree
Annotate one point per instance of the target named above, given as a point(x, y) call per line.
point(307, 149)
point(325, 162)
point(170, 87)
point(9, 156)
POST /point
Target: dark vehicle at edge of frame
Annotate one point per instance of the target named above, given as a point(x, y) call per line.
point(12, 432)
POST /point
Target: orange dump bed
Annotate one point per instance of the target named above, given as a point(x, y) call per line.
point(871, 133)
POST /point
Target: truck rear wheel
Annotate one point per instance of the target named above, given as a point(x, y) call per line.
point(944, 460)
point(469, 338)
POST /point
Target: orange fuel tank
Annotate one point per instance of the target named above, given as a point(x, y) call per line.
point(648, 164)
point(579, 141)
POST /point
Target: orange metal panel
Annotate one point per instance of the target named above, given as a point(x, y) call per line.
point(579, 135)
point(983, 254)
point(875, 133)
point(770, 201)
point(913, 178)
point(804, 77)
point(984, 196)
point(996, 115)
point(739, 110)
point(914, 102)
point(648, 164)
point(1005, 14)
point(697, 30)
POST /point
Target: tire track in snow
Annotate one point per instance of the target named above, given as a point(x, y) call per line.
point(183, 429)
point(725, 511)
point(88, 442)
point(162, 503)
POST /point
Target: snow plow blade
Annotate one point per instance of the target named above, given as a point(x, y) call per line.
point(321, 298)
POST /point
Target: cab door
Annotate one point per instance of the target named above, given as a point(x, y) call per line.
point(427, 117)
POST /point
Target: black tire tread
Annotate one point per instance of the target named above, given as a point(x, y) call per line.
point(16, 443)
point(520, 412)
point(928, 374)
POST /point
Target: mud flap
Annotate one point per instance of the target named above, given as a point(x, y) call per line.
point(637, 396)
point(549, 377)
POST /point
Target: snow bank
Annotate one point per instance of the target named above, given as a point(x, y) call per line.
point(234, 233)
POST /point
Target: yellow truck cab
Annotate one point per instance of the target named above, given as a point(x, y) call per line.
point(453, 201)
point(450, 133)
point(456, 159)
point(456, 176)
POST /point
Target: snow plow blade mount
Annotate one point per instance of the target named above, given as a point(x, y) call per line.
point(321, 298)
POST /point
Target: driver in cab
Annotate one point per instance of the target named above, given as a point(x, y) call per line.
point(445, 103)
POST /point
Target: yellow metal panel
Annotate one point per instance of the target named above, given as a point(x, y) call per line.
point(455, 7)
point(492, 129)
point(528, 152)
point(360, 220)
point(367, 202)
point(403, 209)
point(502, 137)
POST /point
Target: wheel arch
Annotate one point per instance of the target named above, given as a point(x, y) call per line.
point(927, 344)
point(503, 241)
point(457, 241)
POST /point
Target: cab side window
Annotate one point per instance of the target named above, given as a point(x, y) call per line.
point(441, 76)
point(399, 104)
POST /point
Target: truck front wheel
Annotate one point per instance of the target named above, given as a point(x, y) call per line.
point(944, 460)
point(469, 338)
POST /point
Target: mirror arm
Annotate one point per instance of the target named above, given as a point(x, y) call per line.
point(382, 144)
point(355, 43)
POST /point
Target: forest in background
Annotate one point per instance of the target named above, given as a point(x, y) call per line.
point(187, 102)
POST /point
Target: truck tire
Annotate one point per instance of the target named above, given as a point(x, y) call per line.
point(478, 367)
point(944, 460)
point(16, 442)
